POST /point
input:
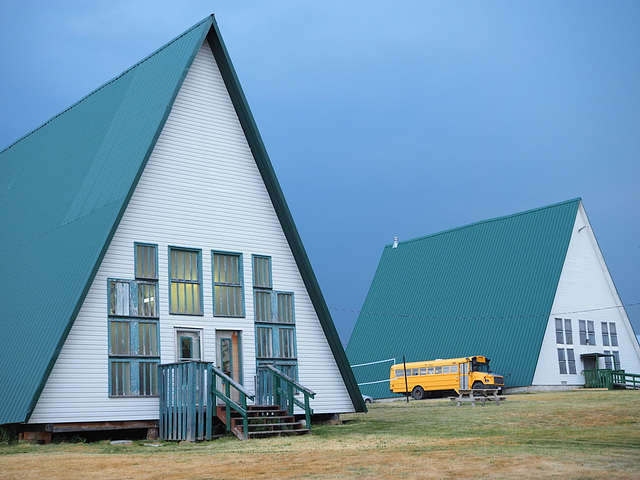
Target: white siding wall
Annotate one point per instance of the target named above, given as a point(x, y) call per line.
point(200, 189)
point(584, 292)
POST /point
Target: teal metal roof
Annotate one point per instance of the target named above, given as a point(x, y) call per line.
point(63, 190)
point(482, 289)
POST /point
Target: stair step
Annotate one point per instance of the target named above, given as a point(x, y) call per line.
point(279, 433)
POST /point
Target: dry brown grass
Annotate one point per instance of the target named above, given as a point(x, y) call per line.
point(551, 435)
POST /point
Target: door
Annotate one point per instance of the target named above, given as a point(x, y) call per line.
point(229, 358)
point(590, 362)
point(464, 376)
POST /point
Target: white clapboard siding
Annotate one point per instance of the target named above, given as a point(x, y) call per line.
point(585, 292)
point(201, 189)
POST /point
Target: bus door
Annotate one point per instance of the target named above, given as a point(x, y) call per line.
point(464, 375)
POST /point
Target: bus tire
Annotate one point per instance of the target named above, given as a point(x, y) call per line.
point(417, 393)
point(477, 386)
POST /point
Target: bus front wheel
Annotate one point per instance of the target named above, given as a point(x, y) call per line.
point(477, 387)
point(418, 392)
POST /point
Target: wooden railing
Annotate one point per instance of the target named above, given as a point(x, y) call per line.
point(225, 396)
point(608, 378)
point(185, 401)
point(283, 391)
point(188, 393)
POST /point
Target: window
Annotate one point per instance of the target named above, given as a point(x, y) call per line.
point(274, 317)
point(185, 274)
point(423, 371)
point(559, 331)
point(571, 361)
point(607, 360)
point(613, 333)
point(132, 298)
point(616, 360)
point(261, 271)
point(562, 362)
point(188, 345)
point(146, 261)
point(228, 298)
point(431, 371)
point(133, 357)
point(587, 332)
point(454, 368)
point(399, 372)
point(566, 361)
point(605, 334)
point(591, 332)
point(564, 333)
point(133, 328)
point(568, 332)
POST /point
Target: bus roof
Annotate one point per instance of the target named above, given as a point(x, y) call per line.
point(440, 361)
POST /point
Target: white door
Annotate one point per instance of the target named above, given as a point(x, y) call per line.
point(464, 376)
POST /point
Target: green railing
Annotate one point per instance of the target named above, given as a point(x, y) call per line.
point(224, 394)
point(185, 401)
point(608, 378)
point(188, 393)
point(621, 379)
point(283, 392)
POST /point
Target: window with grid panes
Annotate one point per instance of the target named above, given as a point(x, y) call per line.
point(616, 359)
point(274, 319)
point(571, 360)
point(228, 298)
point(133, 328)
point(562, 361)
point(185, 278)
point(568, 332)
point(613, 334)
point(146, 259)
point(133, 356)
point(605, 334)
point(559, 331)
point(607, 360)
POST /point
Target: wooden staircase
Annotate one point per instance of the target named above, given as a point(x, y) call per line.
point(264, 421)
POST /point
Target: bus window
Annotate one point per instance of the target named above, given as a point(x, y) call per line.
point(423, 371)
point(415, 371)
point(399, 373)
point(445, 369)
point(431, 371)
point(480, 367)
point(454, 368)
point(438, 370)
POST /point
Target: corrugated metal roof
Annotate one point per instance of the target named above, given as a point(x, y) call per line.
point(64, 188)
point(482, 289)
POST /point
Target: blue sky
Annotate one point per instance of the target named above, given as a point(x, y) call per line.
point(386, 119)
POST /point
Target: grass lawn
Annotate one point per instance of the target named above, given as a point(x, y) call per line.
point(577, 434)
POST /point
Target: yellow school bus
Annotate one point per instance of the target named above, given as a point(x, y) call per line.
point(424, 378)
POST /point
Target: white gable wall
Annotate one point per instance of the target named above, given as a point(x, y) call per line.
point(201, 189)
point(585, 292)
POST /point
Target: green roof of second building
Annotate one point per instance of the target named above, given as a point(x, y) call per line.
point(482, 289)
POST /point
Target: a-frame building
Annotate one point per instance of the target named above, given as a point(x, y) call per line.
point(145, 225)
point(531, 291)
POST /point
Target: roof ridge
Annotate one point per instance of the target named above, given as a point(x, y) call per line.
point(117, 77)
point(490, 220)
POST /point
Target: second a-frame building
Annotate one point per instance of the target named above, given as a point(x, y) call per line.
point(142, 226)
point(531, 291)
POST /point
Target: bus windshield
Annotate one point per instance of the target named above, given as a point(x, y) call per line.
point(480, 367)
